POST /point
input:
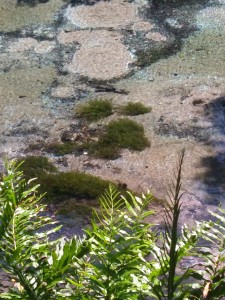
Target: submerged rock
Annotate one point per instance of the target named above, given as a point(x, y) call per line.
point(102, 56)
point(115, 13)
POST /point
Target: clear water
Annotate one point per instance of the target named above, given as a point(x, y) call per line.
point(14, 16)
point(199, 65)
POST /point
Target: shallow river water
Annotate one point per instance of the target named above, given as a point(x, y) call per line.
point(55, 55)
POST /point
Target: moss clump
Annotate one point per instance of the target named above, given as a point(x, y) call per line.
point(125, 133)
point(122, 133)
point(59, 185)
point(104, 150)
point(134, 109)
point(95, 109)
point(34, 166)
point(73, 184)
point(35, 146)
point(60, 149)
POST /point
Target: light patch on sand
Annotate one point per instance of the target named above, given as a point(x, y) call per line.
point(211, 17)
point(22, 44)
point(142, 26)
point(44, 47)
point(156, 36)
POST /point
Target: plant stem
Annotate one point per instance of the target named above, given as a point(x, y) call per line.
point(174, 228)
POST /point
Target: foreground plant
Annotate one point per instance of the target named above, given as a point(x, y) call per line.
point(211, 269)
point(166, 276)
point(120, 241)
point(23, 236)
point(102, 265)
point(119, 257)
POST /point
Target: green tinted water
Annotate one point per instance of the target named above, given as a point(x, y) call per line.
point(29, 83)
point(202, 53)
point(13, 17)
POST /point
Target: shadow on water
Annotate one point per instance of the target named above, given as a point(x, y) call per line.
point(212, 178)
point(31, 2)
point(178, 11)
point(84, 2)
point(176, 3)
point(212, 175)
point(214, 165)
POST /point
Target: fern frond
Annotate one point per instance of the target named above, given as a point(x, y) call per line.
point(23, 234)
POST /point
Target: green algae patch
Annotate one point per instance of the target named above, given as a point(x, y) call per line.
point(14, 17)
point(20, 85)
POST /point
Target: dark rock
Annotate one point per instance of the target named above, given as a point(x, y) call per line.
point(109, 89)
point(197, 102)
point(30, 2)
point(67, 136)
point(63, 161)
point(195, 119)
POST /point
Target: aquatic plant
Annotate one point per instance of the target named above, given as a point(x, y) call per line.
point(134, 109)
point(73, 184)
point(94, 110)
point(59, 185)
point(60, 149)
point(121, 133)
point(33, 166)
